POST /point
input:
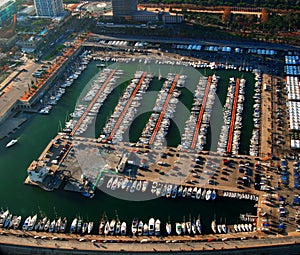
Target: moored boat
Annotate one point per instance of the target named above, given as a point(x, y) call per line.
point(214, 226)
point(134, 226)
point(151, 226)
point(11, 143)
point(198, 194)
point(118, 227)
point(123, 228)
point(26, 222)
point(101, 226)
point(208, 195)
point(199, 225)
point(17, 222)
point(90, 227)
point(84, 227)
point(140, 228)
point(157, 227)
point(178, 228)
point(106, 228)
point(63, 225)
point(112, 227)
point(145, 229)
point(168, 228)
point(73, 226)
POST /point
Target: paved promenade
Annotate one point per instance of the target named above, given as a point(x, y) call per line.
point(74, 246)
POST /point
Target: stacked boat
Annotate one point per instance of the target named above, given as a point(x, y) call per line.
point(240, 195)
point(126, 184)
point(127, 107)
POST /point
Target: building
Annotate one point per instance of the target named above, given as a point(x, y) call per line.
point(168, 18)
point(8, 9)
point(124, 9)
point(48, 8)
point(37, 171)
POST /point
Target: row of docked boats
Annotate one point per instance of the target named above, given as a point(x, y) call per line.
point(126, 184)
point(191, 63)
point(232, 115)
point(163, 110)
point(8, 220)
point(80, 226)
point(255, 138)
point(190, 227)
point(138, 227)
point(223, 229)
point(127, 107)
point(173, 191)
point(200, 114)
point(45, 224)
point(94, 98)
point(238, 118)
point(160, 189)
point(76, 71)
point(240, 195)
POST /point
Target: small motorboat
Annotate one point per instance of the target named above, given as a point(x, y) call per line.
point(178, 228)
point(123, 228)
point(11, 143)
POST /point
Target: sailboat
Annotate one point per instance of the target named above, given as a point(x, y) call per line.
point(183, 226)
point(214, 226)
point(194, 229)
point(198, 225)
point(73, 226)
point(168, 228)
point(102, 224)
point(123, 228)
point(189, 226)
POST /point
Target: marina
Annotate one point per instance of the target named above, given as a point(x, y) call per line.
point(148, 171)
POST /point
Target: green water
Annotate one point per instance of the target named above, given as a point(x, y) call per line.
point(36, 133)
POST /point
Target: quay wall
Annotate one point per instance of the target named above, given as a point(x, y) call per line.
point(26, 246)
point(52, 79)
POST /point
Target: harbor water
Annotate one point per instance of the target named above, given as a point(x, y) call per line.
point(36, 133)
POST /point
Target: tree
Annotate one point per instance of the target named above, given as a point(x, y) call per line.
point(226, 15)
point(264, 15)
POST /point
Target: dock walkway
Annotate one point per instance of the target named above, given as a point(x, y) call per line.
point(162, 113)
point(115, 128)
point(200, 117)
point(236, 94)
point(92, 103)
